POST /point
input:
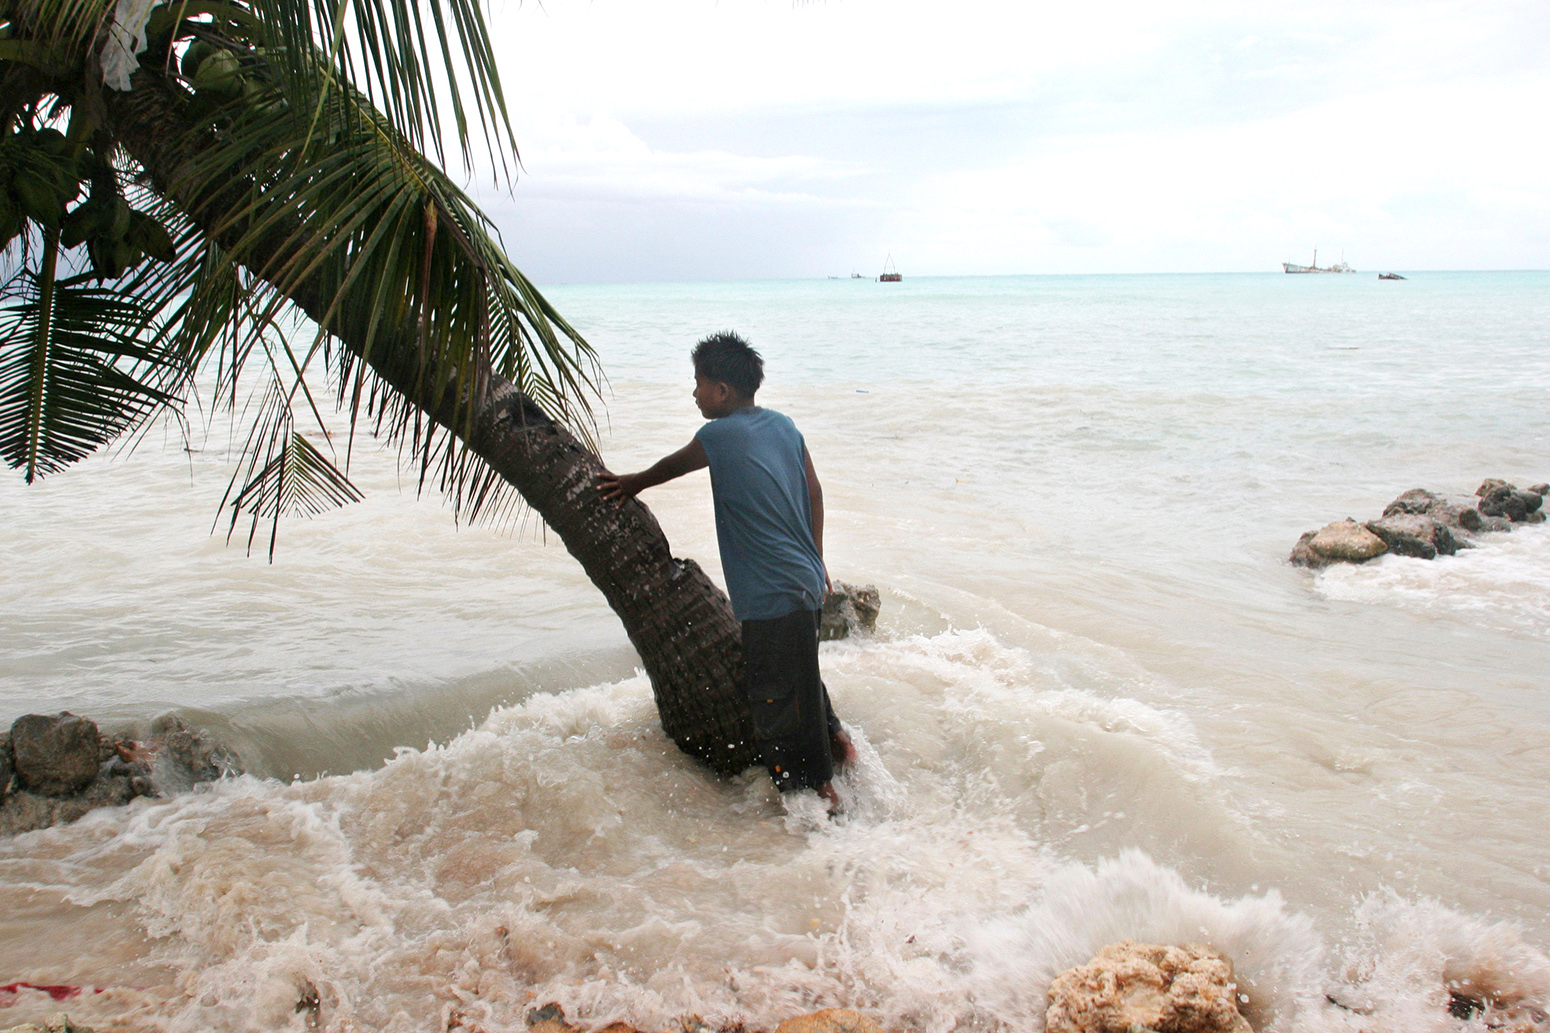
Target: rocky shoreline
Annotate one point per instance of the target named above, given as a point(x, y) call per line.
point(1127, 987)
point(1424, 524)
point(55, 768)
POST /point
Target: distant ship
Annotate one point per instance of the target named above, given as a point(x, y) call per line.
point(1390, 276)
point(1338, 267)
point(890, 274)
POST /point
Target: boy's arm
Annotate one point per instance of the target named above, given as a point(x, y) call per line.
point(815, 503)
point(622, 486)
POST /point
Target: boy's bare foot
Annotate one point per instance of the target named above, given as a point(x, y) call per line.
point(841, 749)
point(828, 792)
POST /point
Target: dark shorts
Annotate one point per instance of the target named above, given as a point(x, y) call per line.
point(791, 712)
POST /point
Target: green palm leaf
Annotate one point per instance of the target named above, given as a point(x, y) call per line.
point(283, 473)
point(75, 372)
point(301, 189)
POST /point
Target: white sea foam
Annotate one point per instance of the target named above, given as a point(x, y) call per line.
point(1502, 583)
point(565, 851)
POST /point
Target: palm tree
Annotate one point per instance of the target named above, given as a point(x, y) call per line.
point(181, 183)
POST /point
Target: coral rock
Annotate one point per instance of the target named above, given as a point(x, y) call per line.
point(1344, 541)
point(830, 1020)
point(1167, 989)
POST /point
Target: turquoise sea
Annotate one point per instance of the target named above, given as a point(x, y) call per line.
point(1100, 704)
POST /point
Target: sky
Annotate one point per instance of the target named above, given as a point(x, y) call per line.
point(672, 140)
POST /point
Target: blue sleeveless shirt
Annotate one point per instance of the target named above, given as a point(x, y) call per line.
point(764, 520)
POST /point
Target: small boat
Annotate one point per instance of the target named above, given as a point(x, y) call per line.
point(890, 274)
point(1338, 267)
point(1390, 276)
point(856, 276)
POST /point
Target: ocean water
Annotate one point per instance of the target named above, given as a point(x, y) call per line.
point(1099, 704)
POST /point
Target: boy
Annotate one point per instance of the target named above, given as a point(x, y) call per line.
point(769, 526)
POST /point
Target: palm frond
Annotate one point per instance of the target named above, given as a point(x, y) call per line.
point(283, 473)
point(76, 370)
point(397, 256)
point(416, 61)
point(299, 185)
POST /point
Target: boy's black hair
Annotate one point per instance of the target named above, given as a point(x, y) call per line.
point(731, 360)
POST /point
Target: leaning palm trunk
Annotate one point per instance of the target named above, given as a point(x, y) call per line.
point(678, 620)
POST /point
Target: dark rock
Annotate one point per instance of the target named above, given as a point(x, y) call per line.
point(181, 757)
point(1489, 485)
point(25, 811)
point(1407, 534)
point(63, 768)
point(1460, 513)
point(849, 609)
point(7, 769)
point(1535, 517)
point(1504, 500)
point(1540, 489)
point(1416, 500)
point(55, 756)
point(1495, 523)
point(1532, 499)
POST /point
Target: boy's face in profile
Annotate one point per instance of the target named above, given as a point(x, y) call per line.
point(716, 398)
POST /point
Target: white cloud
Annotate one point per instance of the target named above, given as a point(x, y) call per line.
point(600, 156)
point(787, 138)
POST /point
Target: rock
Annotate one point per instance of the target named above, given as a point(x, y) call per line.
point(1464, 515)
point(1409, 535)
point(830, 1020)
point(55, 756)
point(1129, 986)
point(25, 811)
point(7, 770)
point(549, 1019)
point(1489, 485)
point(1540, 489)
point(1506, 501)
point(1461, 513)
point(848, 609)
point(1344, 541)
point(179, 756)
point(1416, 500)
point(1495, 523)
point(1303, 555)
point(63, 767)
point(1536, 516)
